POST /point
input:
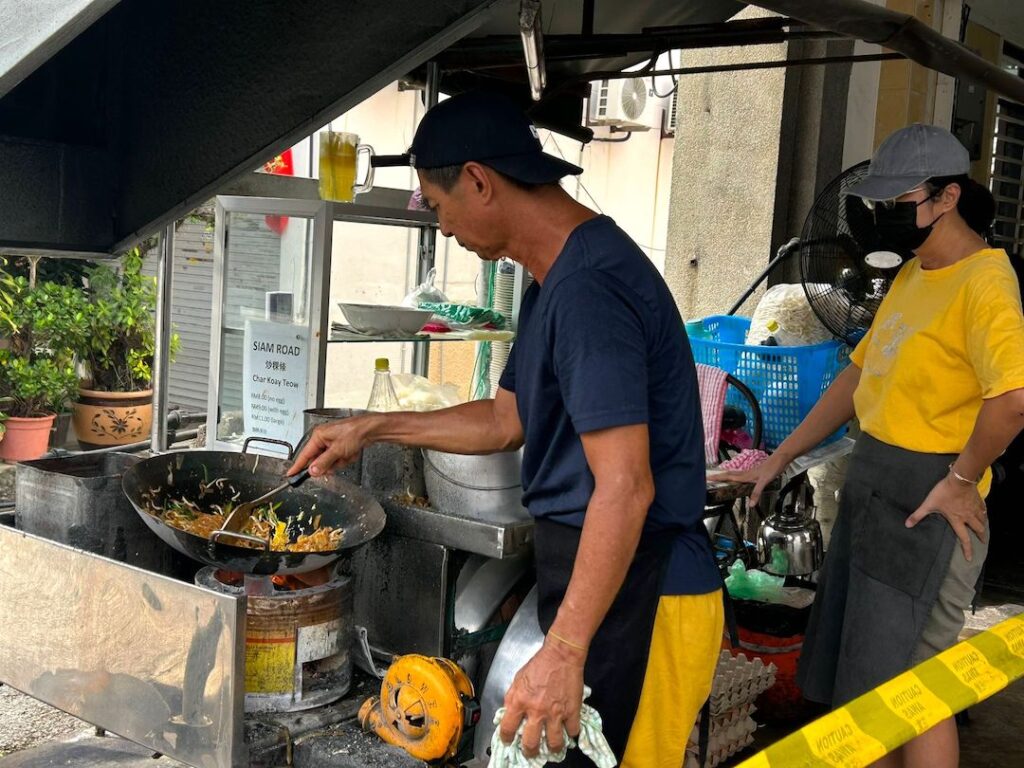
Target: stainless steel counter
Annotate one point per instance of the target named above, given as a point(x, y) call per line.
point(152, 659)
point(492, 538)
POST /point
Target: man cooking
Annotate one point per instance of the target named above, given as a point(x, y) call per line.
point(601, 393)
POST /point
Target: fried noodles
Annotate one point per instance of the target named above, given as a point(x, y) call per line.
point(190, 517)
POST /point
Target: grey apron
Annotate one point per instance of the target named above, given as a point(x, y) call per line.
point(880, 579)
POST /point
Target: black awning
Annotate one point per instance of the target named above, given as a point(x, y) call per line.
point(119, 117)
point(904, 34)
point(113, 129)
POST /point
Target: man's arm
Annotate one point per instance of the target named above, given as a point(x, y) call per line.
point(549, 689)
point(481, 426)
point(619, 459)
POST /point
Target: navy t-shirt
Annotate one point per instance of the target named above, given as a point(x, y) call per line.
point(601, 344)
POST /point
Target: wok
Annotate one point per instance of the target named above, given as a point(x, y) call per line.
point(339, 503)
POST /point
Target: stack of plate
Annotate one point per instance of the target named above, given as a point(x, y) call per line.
point(504, 290)
point(504, 287)
point(499, 356)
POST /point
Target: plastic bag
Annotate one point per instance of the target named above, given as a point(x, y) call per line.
point(464, 316)
point(416, 393)
point(787, 305)
point(753, 585)
point(425, 292)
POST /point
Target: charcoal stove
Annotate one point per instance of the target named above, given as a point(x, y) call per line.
point(297, 638)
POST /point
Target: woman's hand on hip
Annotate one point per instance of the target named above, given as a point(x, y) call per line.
point(961, 505)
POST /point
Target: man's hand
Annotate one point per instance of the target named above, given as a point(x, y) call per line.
point(547, 693)
point(336, 443)
point(962, 507)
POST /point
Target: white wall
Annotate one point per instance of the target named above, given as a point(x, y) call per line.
point(629, 181)
point(862, 103)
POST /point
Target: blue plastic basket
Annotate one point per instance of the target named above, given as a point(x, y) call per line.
point(787, 381)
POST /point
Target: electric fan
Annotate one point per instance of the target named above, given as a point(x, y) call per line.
point(845, 273)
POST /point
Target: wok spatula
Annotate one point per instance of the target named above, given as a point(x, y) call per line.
point(240, 515)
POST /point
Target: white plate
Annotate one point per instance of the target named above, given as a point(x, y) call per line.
point(376, 318)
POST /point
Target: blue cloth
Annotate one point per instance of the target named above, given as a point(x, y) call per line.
point(601, 344)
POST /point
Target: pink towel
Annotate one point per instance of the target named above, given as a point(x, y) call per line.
point(712, 384)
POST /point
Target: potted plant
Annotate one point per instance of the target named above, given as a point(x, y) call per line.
point(115, 398)
point(39, 328)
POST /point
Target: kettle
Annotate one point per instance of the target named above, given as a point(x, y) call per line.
point(789, 541)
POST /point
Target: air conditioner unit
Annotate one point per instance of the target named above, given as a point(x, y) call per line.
point(627, 103)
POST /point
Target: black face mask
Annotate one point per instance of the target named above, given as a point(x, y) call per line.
point(897, 228)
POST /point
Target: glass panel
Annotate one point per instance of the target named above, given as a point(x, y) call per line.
point(374, 264)
point(371, 264)
point(264, 331)
point(460, 275)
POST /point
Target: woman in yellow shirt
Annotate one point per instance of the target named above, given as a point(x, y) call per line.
point(938, 387)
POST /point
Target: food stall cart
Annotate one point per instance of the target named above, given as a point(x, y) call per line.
point(165, 661)
point(193, 669)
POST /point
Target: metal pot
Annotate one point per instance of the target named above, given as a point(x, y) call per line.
point(484, 487)
point(792, 530)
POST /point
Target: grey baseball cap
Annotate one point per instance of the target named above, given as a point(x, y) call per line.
point(909, 157)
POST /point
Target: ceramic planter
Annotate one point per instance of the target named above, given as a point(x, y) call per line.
point(26, 438)
point(103, 419)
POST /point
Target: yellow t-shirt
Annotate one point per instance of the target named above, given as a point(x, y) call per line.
point(943, 340)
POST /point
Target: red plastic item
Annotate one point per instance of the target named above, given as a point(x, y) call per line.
point(782, 703)
point(281, 165)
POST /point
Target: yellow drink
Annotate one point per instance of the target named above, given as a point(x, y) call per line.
point(338, 166)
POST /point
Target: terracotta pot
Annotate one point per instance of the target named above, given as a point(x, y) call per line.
point(26, 438)
point(103, 419)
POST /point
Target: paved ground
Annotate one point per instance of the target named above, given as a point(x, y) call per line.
point(991, 739)
point(88, 751)
point(27, 722)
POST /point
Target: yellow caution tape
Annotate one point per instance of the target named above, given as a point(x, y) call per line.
point(872, 725)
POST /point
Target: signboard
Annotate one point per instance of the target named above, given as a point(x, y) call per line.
point(274, 381)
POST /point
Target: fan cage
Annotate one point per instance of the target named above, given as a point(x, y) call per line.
point(844, 291)
point(633, 97)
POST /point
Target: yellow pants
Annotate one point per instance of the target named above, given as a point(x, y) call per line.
point(680, 671)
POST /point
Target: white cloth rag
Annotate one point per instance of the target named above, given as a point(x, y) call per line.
point(591, 741)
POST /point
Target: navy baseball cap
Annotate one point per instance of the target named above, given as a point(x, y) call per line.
point(486, 128)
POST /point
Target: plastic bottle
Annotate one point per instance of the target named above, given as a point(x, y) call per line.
point(778, 337)
point(695, 329)
point(382, 395)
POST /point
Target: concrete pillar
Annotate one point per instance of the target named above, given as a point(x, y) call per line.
point(989, 45)
point(724, 169)
point(908, 92)
point(811, 142)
